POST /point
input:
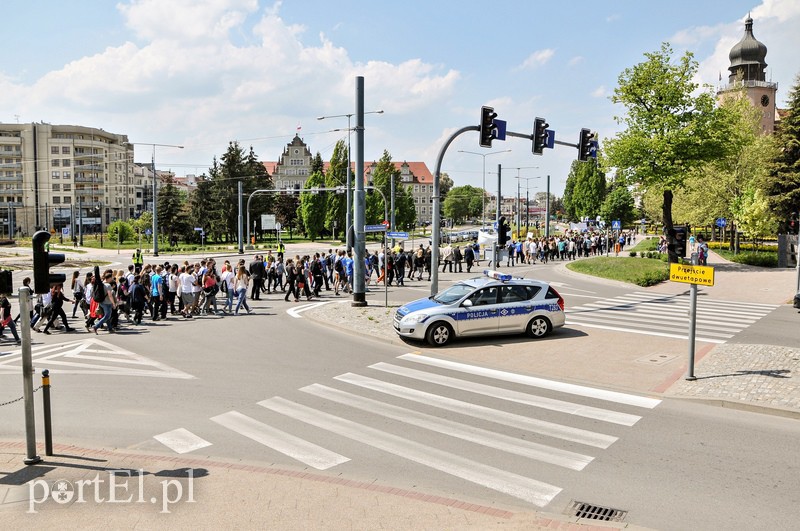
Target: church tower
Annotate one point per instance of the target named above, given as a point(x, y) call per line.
point(748, 62)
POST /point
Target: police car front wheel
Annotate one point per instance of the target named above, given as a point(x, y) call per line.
point(539, 327)
point(439, 334)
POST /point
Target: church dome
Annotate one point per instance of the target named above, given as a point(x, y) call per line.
point(748, 56)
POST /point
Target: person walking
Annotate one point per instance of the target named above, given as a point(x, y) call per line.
point(291, 281)
point(5, 317)
point(240, 285)
point(107, 303)
point(228, 281)
point(78, 292)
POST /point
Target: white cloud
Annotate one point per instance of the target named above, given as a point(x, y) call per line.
point(537, 58)
point(576, 60)
point(185, 79)
point(600, 92)
point(614, 17)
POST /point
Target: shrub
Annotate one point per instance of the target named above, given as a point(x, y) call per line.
point(757, 259)
point(633, 253)
point(651, 278)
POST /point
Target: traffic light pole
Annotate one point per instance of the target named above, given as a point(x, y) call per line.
point(27, 375)
point(499, 228)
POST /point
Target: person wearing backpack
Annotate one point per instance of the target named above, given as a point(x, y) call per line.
point(103, 289)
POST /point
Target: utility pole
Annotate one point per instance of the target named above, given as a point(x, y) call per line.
point(359, 287)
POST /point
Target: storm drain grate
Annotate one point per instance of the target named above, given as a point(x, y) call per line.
point(596, 512)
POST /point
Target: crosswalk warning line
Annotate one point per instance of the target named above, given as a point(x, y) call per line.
point(498, 441)
point(551, 404)
point(530, 490)
point(181, 441)
point(497, 416)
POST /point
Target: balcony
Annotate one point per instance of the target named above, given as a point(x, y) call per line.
point(10, 165)
point(88, 167)
point(78, 178)
point(13, 153)
point(10, 178)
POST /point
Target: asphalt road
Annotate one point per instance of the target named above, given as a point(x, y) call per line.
point(271, 389)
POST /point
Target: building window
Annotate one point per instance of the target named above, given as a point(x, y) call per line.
point(295, 162)
point(416, 188)
point(67, 200)
point(65, 162)
point(56, 200)
point(65, 150)
point(55, 175)
point(55, 162)
point(67, 187)
point(423, 210)
point(56, 187)
point(67, 175)
point(54, 150)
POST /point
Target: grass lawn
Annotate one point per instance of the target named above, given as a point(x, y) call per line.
point(640, 271)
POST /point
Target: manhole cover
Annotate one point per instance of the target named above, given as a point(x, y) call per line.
point(595, 512)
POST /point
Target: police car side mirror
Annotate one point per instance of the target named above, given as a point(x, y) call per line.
point(467, 303)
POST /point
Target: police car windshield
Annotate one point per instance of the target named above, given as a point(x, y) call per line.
point(453, 293)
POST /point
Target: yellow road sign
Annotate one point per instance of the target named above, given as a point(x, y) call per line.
point(692, 274)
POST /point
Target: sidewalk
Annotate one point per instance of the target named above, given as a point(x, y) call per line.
point(755, 377)
point(73, 489)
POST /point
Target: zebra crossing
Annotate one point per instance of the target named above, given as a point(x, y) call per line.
point(668, 316)
point(442, 415)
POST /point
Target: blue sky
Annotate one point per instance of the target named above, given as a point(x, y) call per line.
point(201, 73)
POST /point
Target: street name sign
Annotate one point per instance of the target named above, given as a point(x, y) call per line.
point(374, 228)
point(692, 274)
point(397, 235)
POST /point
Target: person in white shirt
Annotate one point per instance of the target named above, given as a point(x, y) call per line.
point(228, 279)
point(187, 284)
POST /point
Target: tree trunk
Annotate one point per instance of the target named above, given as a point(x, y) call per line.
point(669, 229)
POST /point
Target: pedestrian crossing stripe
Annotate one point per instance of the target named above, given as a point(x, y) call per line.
point(530, 490)
point(668, 316)
point(90, 356)
point(359, 394)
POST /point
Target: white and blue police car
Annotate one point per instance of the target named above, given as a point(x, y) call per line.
point(495, 303)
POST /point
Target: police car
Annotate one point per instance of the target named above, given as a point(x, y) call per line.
point(492, 304)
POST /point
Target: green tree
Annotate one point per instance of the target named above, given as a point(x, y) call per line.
point(312, 206)
point(286, 210)
point(203, 209)
point(120, 231)
point(337, 176)
point(782, 184)
point(383, 173)
point(171, 203)
point(445, 184)
point(463, 202)
point(585, 190)
point(618, 205)
point(669, 132)
point(143, 223)
point(753, 214)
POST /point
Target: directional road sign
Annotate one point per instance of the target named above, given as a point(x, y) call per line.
point(551, 139)
point(65, 231)
point(499, 129)
point(721, 222)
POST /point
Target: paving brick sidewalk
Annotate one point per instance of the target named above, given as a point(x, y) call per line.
point(156, 492)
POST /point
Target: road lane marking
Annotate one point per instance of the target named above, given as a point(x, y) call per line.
point(581, 390)
point(530, 490)
point(498, 441)
point(285, 443)
point(181, 441)
point(542, 427)
point(644, 332)
point(91, 356)
point(550, 404)
point(295, 312)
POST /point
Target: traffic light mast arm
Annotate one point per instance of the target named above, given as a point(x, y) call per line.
point(528, 136)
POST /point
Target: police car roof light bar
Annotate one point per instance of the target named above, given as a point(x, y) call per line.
point(497, 275)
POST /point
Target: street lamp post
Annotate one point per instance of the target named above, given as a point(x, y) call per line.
point(483, 195)
point(155, 189)
point(519, 219)
point(527, 207)
point(349, 181)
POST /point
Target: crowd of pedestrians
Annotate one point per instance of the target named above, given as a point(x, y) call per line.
point(156, 291)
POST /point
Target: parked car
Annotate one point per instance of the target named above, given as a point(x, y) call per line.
point(494, 303)
point(797, 300)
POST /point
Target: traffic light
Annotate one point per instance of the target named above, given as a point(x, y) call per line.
point(487, 126)
point(586, 147)
point(540, 126)
point(793, 223)
point(503, 231)
point(6, 283)
point(42, 260)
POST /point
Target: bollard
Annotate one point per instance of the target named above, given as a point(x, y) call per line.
point(48, 432)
